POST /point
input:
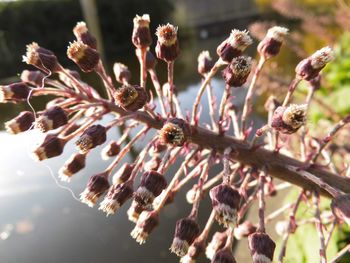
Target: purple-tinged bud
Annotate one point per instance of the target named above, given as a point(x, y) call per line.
point(14, 92)
point(82, 34)
point(223, 255)
point(289, 119)
point(217, 242)
point(134, 211)
point(153, 164)
point(41, 58)
point(97, 185)
point(122, 73)
point(234, 45)
point(341, 208)
point(194, 251)
point(205, 62)
point(191, 194)
point(123, 174)
point(146, 223)
point(93, 136)
point(225, 201)
point(237, 72)
point(151, 185)
point(270, 46)
point(174, 132)
point(72, 166)
point(112, 149)
point(52, 146)
point(116, 196)
point(51, 119)
point(261, 247)
point(33, 77)
point(131, 97)
point(23, 122)
point(167, 47)
point(141, 34)
point(310, 67)
point(84, 56)
point(244, 230)
point(186, 232)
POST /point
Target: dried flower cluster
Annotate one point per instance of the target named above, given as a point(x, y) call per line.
point(249, 165)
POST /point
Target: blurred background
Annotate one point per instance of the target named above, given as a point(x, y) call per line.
point(40, 220)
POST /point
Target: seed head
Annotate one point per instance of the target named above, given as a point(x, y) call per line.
point(72, 166)
point(167, 47)
point(112, 149)
point(23, 122)
point(84, 56)
point(52, 118)
point(223, 255)
point(271, 44)
point(93, 136)
point(146, 223)
point(289, 119)
point(261, 247)
point(217, 242)
point(131, 97)
point(33, 77)
point(141, 34)
point(174, 132)
point(122, 73)
point(14, 92)
point(82, 34)
point(52, 146)
point(237, 72)
point(123, 174)
point(205, 62)
point(244, 230)
point(97, 185)
point(134, 211)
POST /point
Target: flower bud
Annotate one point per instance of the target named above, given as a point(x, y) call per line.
point(225, 201)
point(341, 208)
point(131, 97)
point(196, 248)
point(84, 56)
point(123, 174)
point(93, 136)
point(234, 45)
point(33, 77)
point(315, 83)
point(191, 194)
point(122, 73)
point(51, 119)
point(205, 62)
point(282, 227)
point(270, 46)
point(223, 255)
point(72, 166)
point(52, 146)
point(289, 119)
point(82, 34)
point(310, 67)
point(174, 132)
point(186, 232)
point(116, 196)
point(217, 242)
point(23, 122)
point(141, 34)
point(134, 211)
point(41, 58)
point(14, 92)
point(237, 72)
point(152, 184)
point(261, 247)
point(167, 47)
point(244, 230)
point(112, 149)
point(147, 221)
point(97, 185)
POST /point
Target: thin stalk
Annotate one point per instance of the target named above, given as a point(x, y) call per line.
point(224, 99)
point(293, 85)
point(171, 87)
point(158, 89)
point(319, 227)
point(212, 106)
point(262, 204)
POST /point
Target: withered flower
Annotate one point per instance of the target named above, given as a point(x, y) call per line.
point(131, 97)
point(244, 230)
point(237, 72)
point(167, 47)
point(33, 77)
point(122, 73)
point(82, 34)
point(205, 62)
point(23, 122)
point(52, 146)
point(261, 247)
point(217, 242)
point(123, 174)
point(186, 232)
point(223, 255)
point(225, 201)
point(270, 46)
point(234, 45)
point(14, 92)
point(52, 118)
point(84, 56)
point(112, 149)
point(97, 185)
point(289, 119)
point(141, 34)
point(134, 211)
point(93, 136)
point(72, 166)
point(146, 223)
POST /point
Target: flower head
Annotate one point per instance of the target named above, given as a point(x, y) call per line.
point(21, 123)
point(97, 185)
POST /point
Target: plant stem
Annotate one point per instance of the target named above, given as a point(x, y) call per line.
point(171, 87)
